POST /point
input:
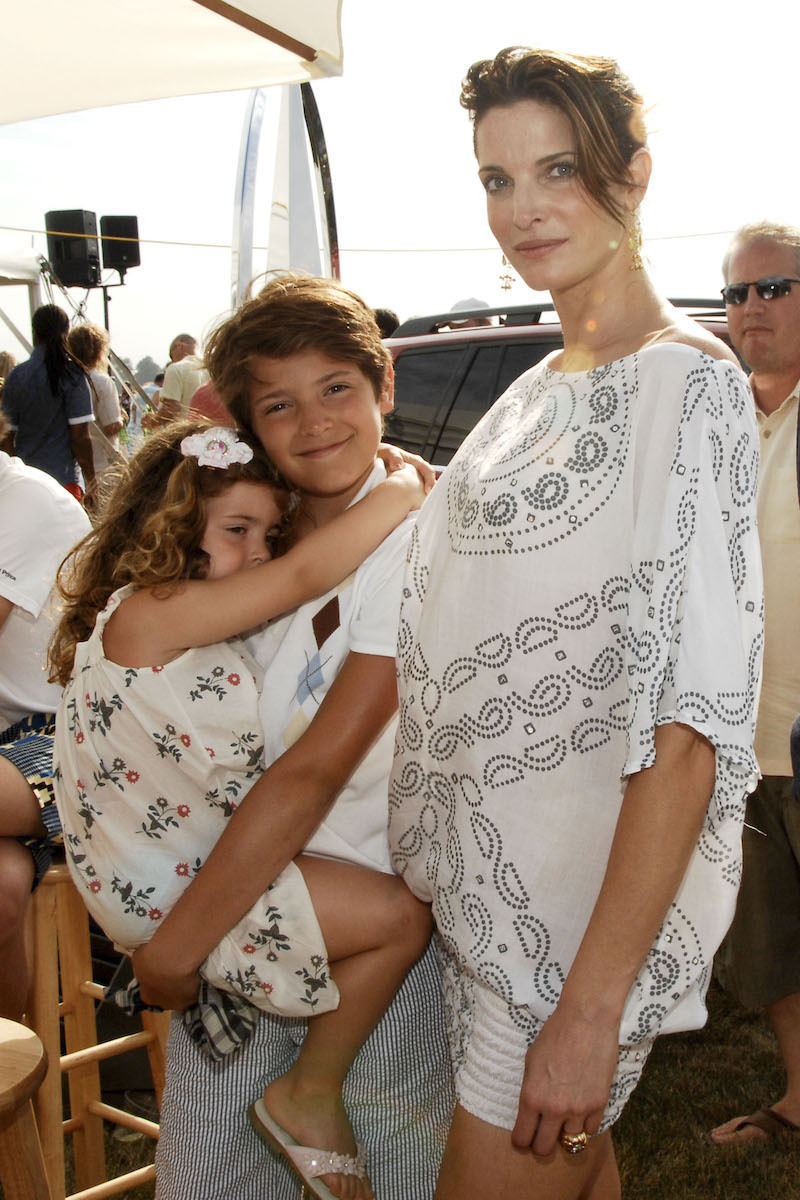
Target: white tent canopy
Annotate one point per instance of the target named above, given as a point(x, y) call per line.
point(60, 57)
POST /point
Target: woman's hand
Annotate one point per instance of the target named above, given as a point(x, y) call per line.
point(568, 1074)
point(394, 458)
point(161, 987)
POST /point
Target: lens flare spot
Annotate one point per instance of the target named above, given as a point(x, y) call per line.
point(613, 244)
point(591, 325)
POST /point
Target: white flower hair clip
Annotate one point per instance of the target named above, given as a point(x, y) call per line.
point(217, 447)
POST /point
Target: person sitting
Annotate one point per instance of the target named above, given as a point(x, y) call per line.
point(39, 524)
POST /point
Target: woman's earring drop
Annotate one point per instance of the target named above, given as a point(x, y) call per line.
point(506, 279)
point(635, 242)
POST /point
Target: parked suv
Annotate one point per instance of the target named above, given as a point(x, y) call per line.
point(446, 378)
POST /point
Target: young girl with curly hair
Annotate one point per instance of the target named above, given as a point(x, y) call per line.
point(158, 738)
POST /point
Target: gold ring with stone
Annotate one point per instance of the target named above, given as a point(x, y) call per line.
point(574, 1143)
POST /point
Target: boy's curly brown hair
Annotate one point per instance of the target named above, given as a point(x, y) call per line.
point(148, 534)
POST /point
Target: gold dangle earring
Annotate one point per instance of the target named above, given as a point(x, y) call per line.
point(635, 242)
point(507, 279)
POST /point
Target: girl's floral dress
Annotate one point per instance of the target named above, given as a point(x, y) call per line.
point(149, 764)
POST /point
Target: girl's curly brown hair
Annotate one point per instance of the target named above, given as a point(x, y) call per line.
point(149, 533)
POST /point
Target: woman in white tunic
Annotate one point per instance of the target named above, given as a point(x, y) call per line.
point(579, 660)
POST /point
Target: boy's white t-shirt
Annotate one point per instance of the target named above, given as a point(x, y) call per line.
point(302, 653)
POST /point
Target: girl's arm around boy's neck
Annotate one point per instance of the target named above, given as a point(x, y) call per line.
point(148, 630)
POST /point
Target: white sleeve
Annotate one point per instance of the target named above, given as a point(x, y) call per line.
point(37, 530)
point(108, 410)
point(171, 387)
point(376, 617)
point(695, 633)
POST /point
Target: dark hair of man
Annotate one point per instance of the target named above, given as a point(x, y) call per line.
point(50, 326)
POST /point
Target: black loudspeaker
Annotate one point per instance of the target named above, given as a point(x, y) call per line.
point(75, 258)
point(118, 256)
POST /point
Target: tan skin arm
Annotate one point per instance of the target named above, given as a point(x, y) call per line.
point(168, 410)
point(149, 630)
point(569, 1067)
point(81, 446)
point(270, 827)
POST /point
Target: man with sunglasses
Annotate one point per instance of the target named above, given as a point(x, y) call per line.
point(759, 962)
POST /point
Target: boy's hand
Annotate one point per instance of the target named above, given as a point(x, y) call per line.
point(394, 458)
point(159, 987)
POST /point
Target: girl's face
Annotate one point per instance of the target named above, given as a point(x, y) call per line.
point(548, 228)
point(241, 524)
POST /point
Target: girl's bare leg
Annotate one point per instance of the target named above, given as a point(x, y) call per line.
point(374, 930)
point(480, 1161)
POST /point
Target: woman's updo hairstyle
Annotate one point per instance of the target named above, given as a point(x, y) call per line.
point(600, 103)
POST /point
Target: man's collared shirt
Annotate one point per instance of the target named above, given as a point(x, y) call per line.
point(779, 533)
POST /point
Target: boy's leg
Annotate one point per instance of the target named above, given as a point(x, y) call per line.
point(374, 929)
point(399, 1096)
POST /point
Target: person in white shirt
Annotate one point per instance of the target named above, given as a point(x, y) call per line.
point(760, 959)
point(184, 375)
point(40, 522)
point(89, 345)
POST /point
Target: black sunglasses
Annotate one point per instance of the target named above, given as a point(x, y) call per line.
point(768, 289)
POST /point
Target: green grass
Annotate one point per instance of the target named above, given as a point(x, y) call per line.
point(692, 1082)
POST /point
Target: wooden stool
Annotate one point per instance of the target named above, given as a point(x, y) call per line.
point(23, 1063)
point(61, 948)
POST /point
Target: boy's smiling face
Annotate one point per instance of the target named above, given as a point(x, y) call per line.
point(319, 420)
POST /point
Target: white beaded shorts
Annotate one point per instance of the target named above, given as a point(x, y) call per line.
point(489, 1039)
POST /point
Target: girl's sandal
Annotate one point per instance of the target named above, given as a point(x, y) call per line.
point(307, 1163)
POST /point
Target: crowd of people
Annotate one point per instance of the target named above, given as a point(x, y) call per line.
point(281, 724)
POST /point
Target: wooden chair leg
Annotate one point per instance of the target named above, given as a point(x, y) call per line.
point(22, 1169)
point(158, 1025)
point(62, 950)
point(43, 1017)
point(80, 1031)
point(23, 1066)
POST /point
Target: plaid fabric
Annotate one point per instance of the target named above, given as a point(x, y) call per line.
point(218, 1024)
point(29, 746)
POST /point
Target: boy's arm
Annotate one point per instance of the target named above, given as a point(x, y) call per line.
point(270, 827)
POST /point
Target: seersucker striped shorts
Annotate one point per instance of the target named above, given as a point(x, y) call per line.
point(398, 1094)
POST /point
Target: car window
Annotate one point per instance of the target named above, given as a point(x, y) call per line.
point(425, 383)
point(521, 356)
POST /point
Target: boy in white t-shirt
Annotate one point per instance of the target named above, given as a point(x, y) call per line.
point(303, 368)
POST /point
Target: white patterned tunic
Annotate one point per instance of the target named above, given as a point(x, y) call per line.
point(150, 764)
point(586, 569)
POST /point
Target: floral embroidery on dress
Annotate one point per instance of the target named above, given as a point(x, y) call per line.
point(315, 980)
point(150, 765)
